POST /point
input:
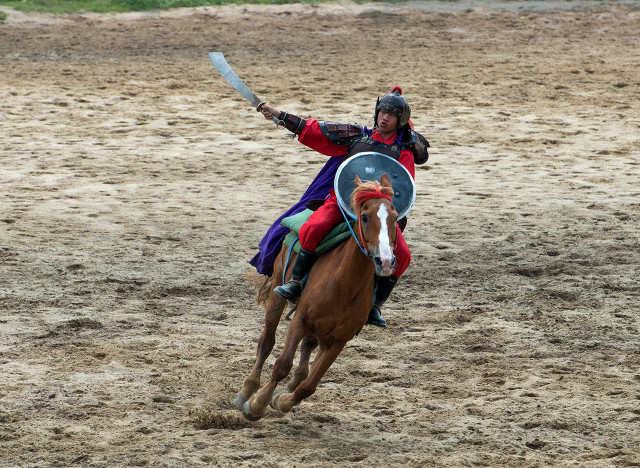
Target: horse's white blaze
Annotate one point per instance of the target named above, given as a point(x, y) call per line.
point(386, 255)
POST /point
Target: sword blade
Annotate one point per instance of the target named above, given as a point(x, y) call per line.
point(225, 70)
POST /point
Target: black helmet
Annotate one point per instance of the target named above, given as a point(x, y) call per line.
point(394, 103)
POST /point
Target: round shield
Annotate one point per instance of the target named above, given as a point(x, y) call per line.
point(370, 166)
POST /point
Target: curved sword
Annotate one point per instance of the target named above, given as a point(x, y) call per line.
point(225, 70)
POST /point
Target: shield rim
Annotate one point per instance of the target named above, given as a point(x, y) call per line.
point(347, 206)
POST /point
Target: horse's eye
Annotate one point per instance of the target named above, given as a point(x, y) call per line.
point(364, 218)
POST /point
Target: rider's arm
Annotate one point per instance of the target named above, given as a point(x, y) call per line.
point(291, 122)
point(308, 131)
point(312, 136)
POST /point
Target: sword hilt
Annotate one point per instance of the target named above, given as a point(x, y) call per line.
point(277, 121)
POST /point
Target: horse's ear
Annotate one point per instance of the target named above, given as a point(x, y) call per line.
point(357, 181)
point(385, 181)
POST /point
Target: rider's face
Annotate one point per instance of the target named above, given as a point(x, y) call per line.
point(387, 123)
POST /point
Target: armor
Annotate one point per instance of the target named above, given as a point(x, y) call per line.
point(365, 144)
point(341, 133)
point(358, 138)
point(293, 123)
point(418, 145)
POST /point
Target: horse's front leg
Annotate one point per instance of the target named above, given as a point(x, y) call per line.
point(266, 342)
point(254, 408)
point(302, 371)
point(326, 356)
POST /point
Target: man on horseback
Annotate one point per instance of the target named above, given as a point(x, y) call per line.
point(393, 136)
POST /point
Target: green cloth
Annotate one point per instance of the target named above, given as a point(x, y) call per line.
point(338, 234)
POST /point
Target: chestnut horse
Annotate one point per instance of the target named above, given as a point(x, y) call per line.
point(334, 305)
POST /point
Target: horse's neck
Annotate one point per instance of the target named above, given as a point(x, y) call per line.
point(354, 262)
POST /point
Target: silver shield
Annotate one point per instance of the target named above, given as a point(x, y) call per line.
point(371, 165)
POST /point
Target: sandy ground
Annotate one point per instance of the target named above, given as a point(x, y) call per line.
point(136, 184)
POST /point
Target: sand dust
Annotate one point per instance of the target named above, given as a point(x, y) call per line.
point(136, 184)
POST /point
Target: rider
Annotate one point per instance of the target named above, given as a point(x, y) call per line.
point(392, 135)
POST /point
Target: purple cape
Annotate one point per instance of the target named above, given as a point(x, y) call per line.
point(270, 245)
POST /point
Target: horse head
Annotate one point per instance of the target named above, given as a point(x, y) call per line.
point(377, 218)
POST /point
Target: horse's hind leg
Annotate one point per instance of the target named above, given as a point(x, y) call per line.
point(267, 340)
point(302, 371)
point(254, 408)
point(326, 356)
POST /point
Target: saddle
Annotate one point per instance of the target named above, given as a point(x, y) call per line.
point(336, 236)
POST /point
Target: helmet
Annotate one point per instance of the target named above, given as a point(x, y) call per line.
point(394, 103)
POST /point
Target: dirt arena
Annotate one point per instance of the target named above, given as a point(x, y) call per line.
point(136, 184)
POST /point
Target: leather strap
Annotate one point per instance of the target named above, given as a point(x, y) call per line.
point(293, 123)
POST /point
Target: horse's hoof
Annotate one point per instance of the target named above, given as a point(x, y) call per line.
point(246, 411)
point(275, 397)
point(239, 402)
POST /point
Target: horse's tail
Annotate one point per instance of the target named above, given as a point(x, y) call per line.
point(264, 291)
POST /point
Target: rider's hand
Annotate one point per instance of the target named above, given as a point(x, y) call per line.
point(269, 111)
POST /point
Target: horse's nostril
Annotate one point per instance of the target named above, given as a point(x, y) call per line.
point(377, 261)
point(393, 261)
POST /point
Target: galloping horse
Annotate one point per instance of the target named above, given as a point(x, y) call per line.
point(334, 306)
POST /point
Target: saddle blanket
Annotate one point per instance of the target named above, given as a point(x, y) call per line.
point(338, 234)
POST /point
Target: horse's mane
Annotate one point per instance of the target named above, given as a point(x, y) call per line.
point(369, 186)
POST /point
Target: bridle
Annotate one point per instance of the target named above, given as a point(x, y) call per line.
point(360, 199)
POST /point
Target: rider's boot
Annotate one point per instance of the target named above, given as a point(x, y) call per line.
point(385, 286)
point(293, 288)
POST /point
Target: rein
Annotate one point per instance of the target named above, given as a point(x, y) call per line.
point(353, 234)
